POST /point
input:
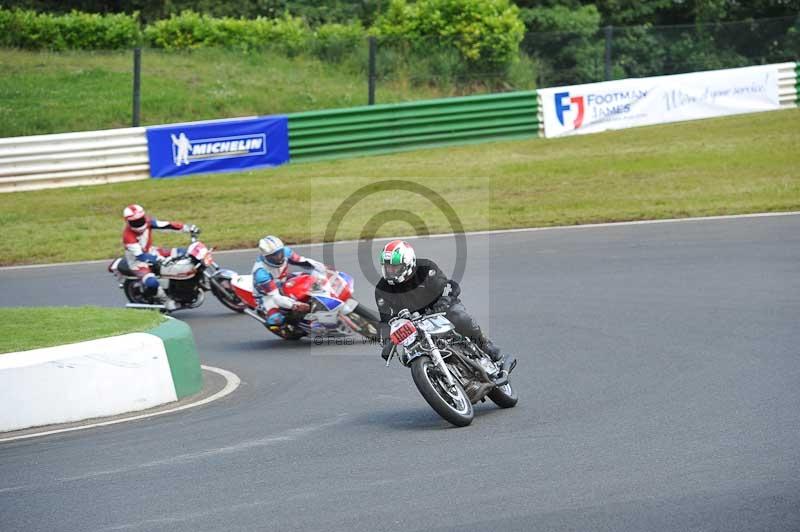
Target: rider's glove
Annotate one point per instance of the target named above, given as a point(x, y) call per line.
point(318, 266)
point(301, 307)
point(191, 228)
point(404, 313)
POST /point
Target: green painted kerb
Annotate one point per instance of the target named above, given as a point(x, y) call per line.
point(182, 355)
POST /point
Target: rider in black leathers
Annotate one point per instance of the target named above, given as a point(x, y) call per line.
point(419, 285)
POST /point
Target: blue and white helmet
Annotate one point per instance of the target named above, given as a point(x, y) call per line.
point(272, 251)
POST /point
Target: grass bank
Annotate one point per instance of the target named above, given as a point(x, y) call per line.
point(747, 163)
point(24, 328)
point(44, 92)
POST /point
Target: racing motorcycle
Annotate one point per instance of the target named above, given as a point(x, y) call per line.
point(450, 371)
point(185, 279)
point(333, 310)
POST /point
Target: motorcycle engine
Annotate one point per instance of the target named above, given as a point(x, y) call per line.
point(184, 291)
point(472, 388)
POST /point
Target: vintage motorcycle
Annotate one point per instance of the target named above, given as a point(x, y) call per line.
point(450, 371)
point(185, 279)
point(333, 310)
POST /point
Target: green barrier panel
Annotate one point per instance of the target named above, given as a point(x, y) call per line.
point(386, 128)
point(182, 355)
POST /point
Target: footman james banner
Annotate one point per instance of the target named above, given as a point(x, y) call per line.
point(638, 102)
point(217, 145)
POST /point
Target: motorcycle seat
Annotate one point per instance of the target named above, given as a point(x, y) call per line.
point(124, 269)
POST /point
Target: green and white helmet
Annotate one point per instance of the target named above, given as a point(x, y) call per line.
point(398, 261)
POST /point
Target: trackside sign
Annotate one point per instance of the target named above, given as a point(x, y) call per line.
point(644, 101)
point(217, 146)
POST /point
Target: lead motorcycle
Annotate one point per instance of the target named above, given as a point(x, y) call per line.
point(333, 309)
point(185, 279)
point(450, 371)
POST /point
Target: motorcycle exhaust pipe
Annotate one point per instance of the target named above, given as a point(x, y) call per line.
point(477, 367)
point(145, 306)
point(255, 315)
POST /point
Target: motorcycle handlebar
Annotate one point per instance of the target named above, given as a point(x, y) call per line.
point(404, 314)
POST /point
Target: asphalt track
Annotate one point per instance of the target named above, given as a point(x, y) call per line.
point(659, 379)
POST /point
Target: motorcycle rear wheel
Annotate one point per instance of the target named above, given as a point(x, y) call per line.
point(133, 291)
point(455, 408)
point(366, 320)
point(504, 396)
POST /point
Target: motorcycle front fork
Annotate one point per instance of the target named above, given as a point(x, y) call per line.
point(436, 356)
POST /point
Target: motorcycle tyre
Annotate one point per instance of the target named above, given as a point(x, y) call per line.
point(503, 399)
point(431, 395)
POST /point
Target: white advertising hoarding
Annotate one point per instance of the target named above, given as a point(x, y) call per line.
point(644, 101)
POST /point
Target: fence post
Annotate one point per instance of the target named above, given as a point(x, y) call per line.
point(373, 48)
point(137, 85)
point(609, 30)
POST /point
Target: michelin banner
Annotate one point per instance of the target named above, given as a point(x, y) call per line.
point(217, 145)
point(644, 101)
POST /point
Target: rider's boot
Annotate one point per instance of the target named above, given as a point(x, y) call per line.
point(506, 363)
point(164, 299)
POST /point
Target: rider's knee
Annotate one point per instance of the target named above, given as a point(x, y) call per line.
point(463, 322)
point(275, 317)
point(150, 284)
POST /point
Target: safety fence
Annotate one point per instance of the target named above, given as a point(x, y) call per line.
point(72, 159)
point(789, 84)
point(395, 127)
point(113, 156)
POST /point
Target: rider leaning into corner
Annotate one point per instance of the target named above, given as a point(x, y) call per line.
point(142, 256)
point(418, 285)
point(269, 273)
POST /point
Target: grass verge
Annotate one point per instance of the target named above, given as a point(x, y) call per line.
point(24, 328)
point(732, 165)
point(46, 92)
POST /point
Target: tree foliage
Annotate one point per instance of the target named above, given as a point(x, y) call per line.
point(570, 41)
point(486, 33)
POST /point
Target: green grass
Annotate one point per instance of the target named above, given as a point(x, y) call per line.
point(742, 164)
point(43, 92)
point(24, 328)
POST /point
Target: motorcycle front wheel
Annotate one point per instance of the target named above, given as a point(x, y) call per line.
point(454, 406)
point(223, 291)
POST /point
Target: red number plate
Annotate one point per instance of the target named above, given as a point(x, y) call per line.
point(402, 332)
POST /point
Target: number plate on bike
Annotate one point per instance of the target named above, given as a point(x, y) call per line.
point(403, 332)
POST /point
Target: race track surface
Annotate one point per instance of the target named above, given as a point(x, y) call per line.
point(659, 382)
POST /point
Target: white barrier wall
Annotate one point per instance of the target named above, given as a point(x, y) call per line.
point(71, 159)
point(619, 104)
point(72, 382)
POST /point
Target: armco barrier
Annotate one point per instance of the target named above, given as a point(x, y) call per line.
point(788, 88)
point(388, 128)
point(71, 159)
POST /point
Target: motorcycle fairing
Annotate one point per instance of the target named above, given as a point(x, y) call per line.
point(329, 302)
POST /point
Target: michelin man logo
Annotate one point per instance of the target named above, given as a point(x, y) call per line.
point(181, 146)
point(185, 150)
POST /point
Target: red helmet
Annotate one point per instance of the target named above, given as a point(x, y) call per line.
point(135, 217)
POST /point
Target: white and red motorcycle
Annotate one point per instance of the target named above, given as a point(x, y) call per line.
point(333, 310)
point(185, 279)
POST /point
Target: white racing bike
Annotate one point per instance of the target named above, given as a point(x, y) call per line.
point(450, 371)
